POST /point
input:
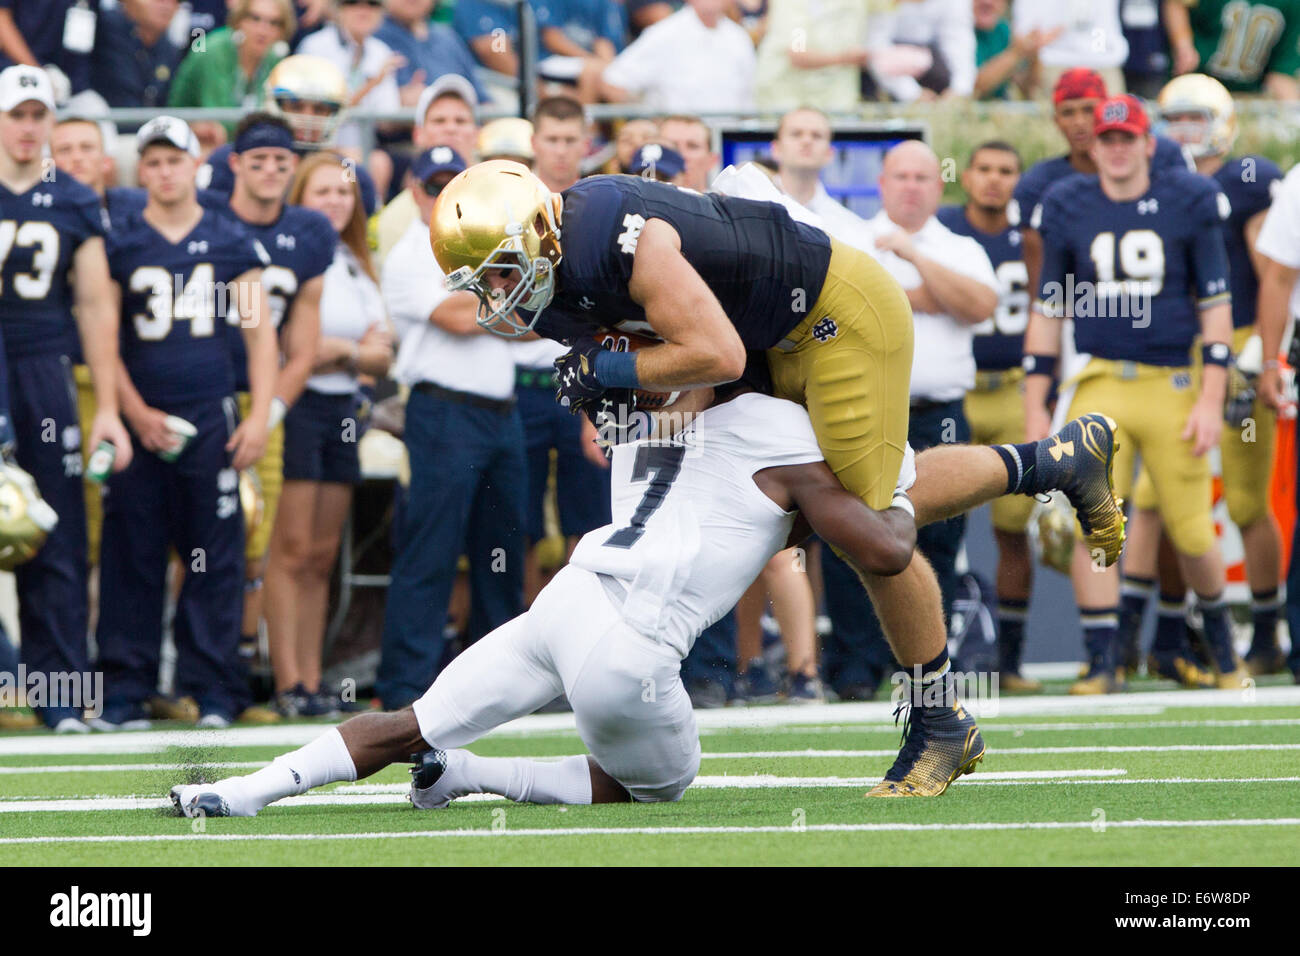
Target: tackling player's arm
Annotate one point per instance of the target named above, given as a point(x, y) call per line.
point(300, 342)
point(97, 324)
point(249, 439)
point(878, 542)
point(701, 346)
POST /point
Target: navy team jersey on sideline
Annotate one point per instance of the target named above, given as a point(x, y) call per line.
point(1040, 177)
point(1248, 184)
point(40, 230)
point(765, 269)
point(215, 175)
point(173, 343)
point(1166, 247)
point(301, 245)
point(999, 341)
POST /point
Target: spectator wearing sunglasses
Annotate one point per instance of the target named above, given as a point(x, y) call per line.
point(231, 67)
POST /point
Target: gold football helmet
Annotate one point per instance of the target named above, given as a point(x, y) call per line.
point(1197, 111)
point(311, 95)
point(1051, 532)
point(26, 519)
point(507, 138)
point(497, 216)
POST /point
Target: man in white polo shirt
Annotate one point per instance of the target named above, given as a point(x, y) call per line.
point(696, 60)
point(1278, 246)
point(466, 447)
point(952, 287)
point(802, 149)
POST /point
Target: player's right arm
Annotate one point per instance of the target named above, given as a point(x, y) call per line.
point(878, 542)
point(701, 347)
point(97, 326)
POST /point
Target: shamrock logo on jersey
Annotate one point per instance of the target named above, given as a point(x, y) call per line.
point(825, 329)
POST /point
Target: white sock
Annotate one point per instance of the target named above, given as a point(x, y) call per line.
point(324, 760)
point(520, 779)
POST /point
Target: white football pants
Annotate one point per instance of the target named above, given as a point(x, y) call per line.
point(625, 689)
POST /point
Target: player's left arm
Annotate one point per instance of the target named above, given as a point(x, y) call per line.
point(249, 440)
point(701, 346)
point(300, 342)
point(1209, 262)
point(97, 308)
point(878, 542)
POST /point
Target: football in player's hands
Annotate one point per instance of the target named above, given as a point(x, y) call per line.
point(631, 342)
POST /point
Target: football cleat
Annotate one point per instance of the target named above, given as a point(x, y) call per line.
point(1097, 679)
point(193, 801)
point(1174, 665)
point(939, 745)
point(1017, 684)
point(1234, 679)
point(1078, 460)
point(173, 708)
point(1262, 661)
point(425, 775)
point(14, 719)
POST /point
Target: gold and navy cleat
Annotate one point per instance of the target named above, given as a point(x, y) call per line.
point(939, 745)
point(1015, 683)
point(1262, 661)
point(1099, 678)
point(1078, 460)
point(1177, 666)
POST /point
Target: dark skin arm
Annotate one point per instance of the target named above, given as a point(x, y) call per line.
point(879, 542)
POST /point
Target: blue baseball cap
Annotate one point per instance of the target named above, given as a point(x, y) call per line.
point(652, 159)
point(440, 159)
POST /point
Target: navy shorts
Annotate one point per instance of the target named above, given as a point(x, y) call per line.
point(320, 439)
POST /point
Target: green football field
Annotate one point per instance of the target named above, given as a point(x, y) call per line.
point(1152, 776)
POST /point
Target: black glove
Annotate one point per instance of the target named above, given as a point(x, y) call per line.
point(575, 376)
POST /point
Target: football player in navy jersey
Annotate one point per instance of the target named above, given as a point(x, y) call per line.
point(711, 277)
point(1198, 112)
point(310, 95)
point(52, 260)
point(1075, 98)
point(177, 266)
point(301, 245)
point(1139, 264)
point(995, 408)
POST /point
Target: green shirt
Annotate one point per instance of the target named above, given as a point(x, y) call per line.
point(1240, 41)
point(210, 76)
point(988, 44)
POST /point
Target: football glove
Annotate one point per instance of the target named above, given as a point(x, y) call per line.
point(26, 519)
point(613, 415)
point(575, 376)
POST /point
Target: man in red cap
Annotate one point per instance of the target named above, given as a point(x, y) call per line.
point(1138, 261)
point(1075, 98)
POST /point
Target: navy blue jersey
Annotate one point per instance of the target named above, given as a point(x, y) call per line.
point(215, 175)
point(1038, 178)
point(40, 230)
point(1248, 184)
point(765, 269)
point(174, 342)
point(301, 246)
point(1135, 274)
point(999, 341)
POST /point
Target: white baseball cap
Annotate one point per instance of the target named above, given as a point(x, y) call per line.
point(170, 130)
point(447, 83)
point(21, 83)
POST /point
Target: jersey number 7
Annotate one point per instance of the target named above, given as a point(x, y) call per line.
point(659, 464)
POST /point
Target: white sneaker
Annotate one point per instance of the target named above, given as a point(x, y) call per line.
point(71, 725)
point(104, 727)
point(213, 722)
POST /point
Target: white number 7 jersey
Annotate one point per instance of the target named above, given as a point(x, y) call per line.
point(690, 529)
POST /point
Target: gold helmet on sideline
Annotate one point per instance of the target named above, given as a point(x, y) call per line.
point(311, 95)
point(498, 215)
point(251, 501)
point(1213, 127)
point(1051, 532)
point(507, 138)
point(26, 519)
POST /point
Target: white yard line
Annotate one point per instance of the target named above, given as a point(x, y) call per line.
point(1018, 729)
point(881, 713)
point(664, 831)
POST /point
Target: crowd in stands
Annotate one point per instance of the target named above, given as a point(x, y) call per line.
point(479, 411)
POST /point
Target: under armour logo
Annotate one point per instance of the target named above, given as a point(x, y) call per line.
point(28, 79)
point(1014, 237)
point(586, 303)
point(825, 329)
point(197, 248)
point(1148, 206)
point(285, 242)
point(1059, 449)
point(42, 199)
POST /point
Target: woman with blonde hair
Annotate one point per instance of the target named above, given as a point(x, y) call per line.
point(321, 465)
